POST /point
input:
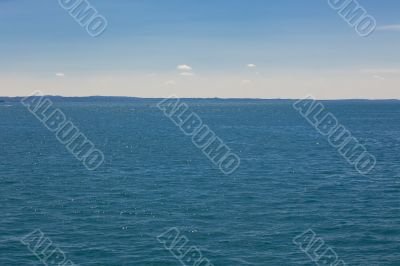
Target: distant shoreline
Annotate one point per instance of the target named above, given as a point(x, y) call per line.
point(8, 99)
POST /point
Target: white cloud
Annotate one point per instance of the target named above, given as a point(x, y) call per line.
point(246, 81)
point(378, 77)
point(252, 66)
point(184, 67)
point(187, 74)
point(170, 83)
point(60, 74)
point(391, 27)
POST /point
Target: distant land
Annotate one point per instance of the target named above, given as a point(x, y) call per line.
point(122, 99)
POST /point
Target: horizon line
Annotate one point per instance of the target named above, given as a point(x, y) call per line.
point(214, 98)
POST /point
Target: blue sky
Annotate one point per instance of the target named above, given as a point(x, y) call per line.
point(296, 47)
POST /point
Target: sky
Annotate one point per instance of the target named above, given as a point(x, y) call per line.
point(200, 48)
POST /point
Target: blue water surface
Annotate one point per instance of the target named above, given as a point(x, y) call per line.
point(290, 180)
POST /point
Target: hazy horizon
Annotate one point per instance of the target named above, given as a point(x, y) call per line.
point(206, 98)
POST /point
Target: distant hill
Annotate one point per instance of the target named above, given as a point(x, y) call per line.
point(117, 99)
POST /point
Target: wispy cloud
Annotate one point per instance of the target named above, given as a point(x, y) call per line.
point(184, 67)
point(381, 70)
point(188, 74)
point(378, 77)
point(61, 75)
point(170, 83)
point(252, 66)
point(246, 81)
point(390, 27)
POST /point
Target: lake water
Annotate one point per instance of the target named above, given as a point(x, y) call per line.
point(153, 178)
